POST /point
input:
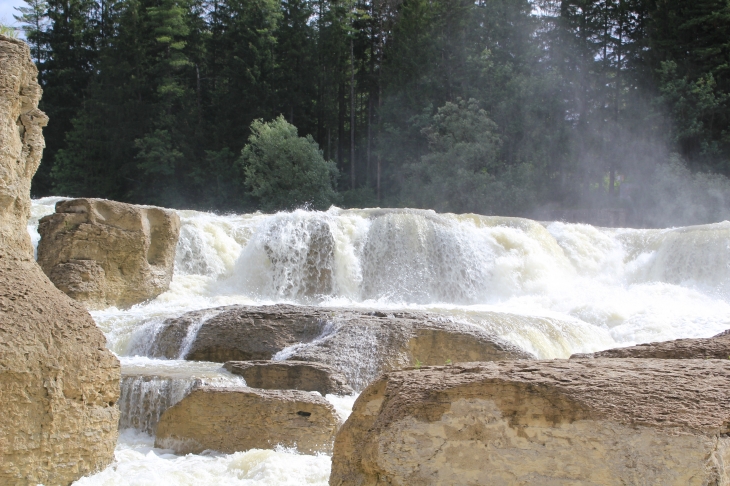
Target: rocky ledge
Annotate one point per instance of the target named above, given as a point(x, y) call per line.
point(592, 422)
point(290, 375)
point(236, 419)
point(716, 347)
point(358, 344)
point(106, 253)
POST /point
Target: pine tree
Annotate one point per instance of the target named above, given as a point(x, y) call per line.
point(34, 22)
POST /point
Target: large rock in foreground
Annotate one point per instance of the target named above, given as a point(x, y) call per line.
point(105, 253)
point(589, 422)
point(359, 344)
point(58, 383)
point(240, 418)
point(716, 347)
point(290, 375)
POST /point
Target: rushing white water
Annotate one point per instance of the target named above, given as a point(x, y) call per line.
point(592, 288)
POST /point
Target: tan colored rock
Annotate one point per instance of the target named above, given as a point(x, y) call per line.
point(589, 422)
point(148, 390)
point(241, 418)
point(716, 347)
point(105, 253)
point(58, 382)
point(358, 344)
point(290, 375)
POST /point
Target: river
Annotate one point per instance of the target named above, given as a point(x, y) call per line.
point(592, 289)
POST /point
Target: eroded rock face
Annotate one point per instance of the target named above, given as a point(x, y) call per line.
point(105, 253)
point(592, 422)
point(236, 333)
point(358, 344)
point(290, 375)
point(240, 418)
point(716, 347)
point(58, 383)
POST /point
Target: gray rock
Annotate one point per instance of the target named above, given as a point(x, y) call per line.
point(290, 375)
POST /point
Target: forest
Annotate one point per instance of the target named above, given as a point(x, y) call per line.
point(485, 106)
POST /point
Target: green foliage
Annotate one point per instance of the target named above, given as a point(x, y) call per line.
point(285, 171)
point(461, 172)
point(8, 31)
point(34, 22)
point(151, 100)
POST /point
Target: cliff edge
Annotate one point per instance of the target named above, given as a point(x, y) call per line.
point(59, 384)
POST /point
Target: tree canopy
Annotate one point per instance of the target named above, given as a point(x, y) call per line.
point(284, 170)
point(491, 106)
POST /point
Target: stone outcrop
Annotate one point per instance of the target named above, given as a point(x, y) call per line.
point(58, 382)
point(147, 391)
point(290, 375)
point(359, 344)
point(105, 253)
point(237, 333)
point(240, 418)
point(716, 347)
point(590, 422)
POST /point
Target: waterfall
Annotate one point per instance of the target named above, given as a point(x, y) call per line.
point(148, 388)
point(550, 288)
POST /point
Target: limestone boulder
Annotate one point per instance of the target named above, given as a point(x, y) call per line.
point(589, 422)
point(105, 253)
point(240, 418)
point(235, 333)
point(148, 390)
point(291, 375)
point(58, 383)
point(716, 347)
point(358, 344)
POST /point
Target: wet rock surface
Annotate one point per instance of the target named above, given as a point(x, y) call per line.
point(240, 418)
point(290, 375)
point(595, 422)
point(58, 383)
point(106, 253)
point(358, 344)
point(716, 347)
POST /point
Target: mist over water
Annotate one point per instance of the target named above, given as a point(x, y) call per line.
point(552, 288)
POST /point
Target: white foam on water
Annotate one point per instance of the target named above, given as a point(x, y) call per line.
point(553, 289)
point(139, 463)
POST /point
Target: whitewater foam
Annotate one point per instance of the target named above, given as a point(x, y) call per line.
point(554, 289)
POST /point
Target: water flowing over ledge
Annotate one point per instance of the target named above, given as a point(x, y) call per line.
point(551, 288)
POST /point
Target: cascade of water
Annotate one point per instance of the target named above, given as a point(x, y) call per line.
point(552, 289)
point(148, 388)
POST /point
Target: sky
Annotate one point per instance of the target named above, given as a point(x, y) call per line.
point(7, 11)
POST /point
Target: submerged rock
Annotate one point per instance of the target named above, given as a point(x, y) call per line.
point(607, 422)
point(236, 333)
point(291, 375)
point(359, 344)
point(240, 418)
point(106, 253)
point(58, 383)
point(716, 347)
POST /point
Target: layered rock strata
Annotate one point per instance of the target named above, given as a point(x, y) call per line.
point(591, 422)
point(105, 253)
point(358, 344)
point(716, 347)
point(290, 375)
point(240, 418)
point(58, 383)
